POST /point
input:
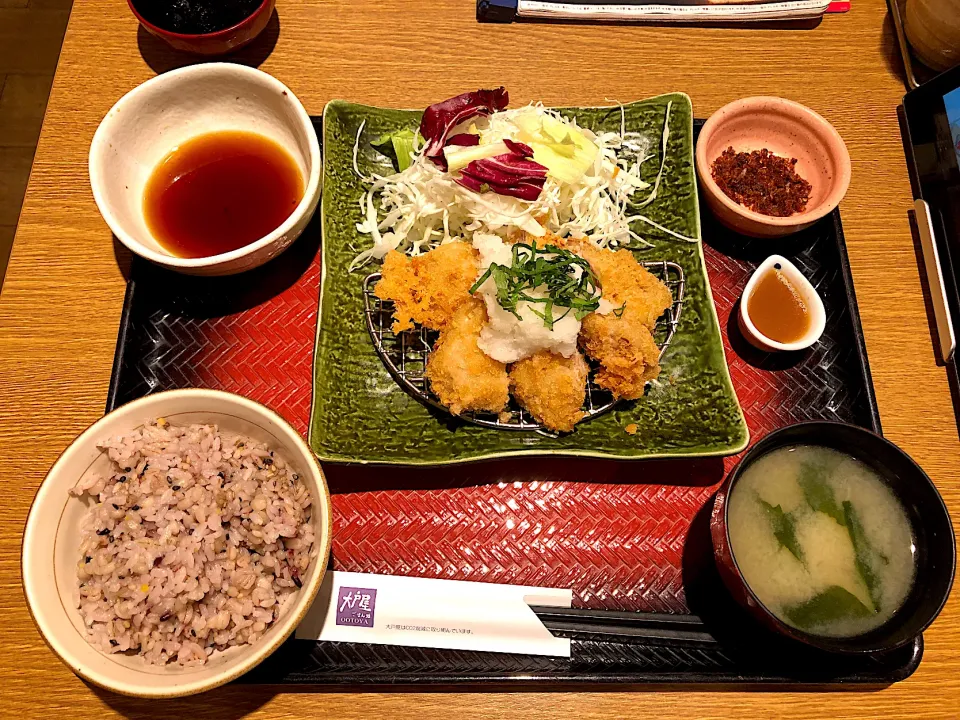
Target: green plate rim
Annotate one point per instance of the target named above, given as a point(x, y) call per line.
point(528, 452)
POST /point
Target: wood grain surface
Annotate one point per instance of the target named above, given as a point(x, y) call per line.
point(60, 306)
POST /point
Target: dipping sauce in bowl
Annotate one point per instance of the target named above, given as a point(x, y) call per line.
point(780, 309)
point(777, 309)
point(220, 191)
point(217, 144)
point(821, 540)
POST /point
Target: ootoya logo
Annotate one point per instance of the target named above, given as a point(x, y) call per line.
point(355, 606)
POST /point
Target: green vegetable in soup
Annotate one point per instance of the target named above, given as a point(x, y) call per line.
point(817, 492)
point(866, 557)
point(783, 528)
point(831, 605)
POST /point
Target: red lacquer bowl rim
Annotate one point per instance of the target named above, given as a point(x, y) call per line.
point(215, 35)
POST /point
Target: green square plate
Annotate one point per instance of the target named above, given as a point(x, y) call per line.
point(360, 414)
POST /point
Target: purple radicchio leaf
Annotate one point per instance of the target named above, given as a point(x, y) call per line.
point(510, 164)
point(518, 148)
point(471, 183)
point(463, 139)
point(440, 118)
point(508, 174)
point(523, 190)
point(501, 174)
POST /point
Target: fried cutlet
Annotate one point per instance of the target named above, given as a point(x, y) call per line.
point(428, 288)
point(551, 387)
point(624, 281)
point(621, 341)
point(460, 374)
point(625, 351)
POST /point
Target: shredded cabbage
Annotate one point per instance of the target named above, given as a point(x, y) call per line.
point(421, 207)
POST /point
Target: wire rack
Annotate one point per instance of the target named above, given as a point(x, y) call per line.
point(405, 355)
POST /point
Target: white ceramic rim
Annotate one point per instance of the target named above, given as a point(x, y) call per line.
point(310, 190)
point(258, 652)
point(802, 285)
point(829, 203)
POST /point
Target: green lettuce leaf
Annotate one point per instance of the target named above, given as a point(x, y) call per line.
point(398, 146)
point(832, 604)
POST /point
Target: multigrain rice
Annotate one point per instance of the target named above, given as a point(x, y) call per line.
point(196, 541)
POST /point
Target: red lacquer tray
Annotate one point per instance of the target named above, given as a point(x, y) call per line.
point(624, 535)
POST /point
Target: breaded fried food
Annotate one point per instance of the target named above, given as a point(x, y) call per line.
point(460, 374)
point(625, 281)
point(621, 341)
point(429, 288)
point(625, 351)
point(552, 388)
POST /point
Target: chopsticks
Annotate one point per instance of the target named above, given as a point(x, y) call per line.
point(625, 625)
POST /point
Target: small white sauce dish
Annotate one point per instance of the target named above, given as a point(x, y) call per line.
point(49, 557)
point(157, 116)
point(808, 293)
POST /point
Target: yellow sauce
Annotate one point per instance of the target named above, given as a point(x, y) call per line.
point(776, 308)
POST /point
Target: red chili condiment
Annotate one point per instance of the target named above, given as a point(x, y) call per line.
point(762, 181)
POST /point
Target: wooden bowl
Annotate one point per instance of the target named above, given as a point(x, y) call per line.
point(787, 129)
point(219, 42)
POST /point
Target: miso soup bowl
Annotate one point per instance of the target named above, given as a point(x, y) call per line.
point(933, 534)
point(167, 110)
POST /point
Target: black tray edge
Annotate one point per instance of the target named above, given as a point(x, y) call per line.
point(365, 681)
point(118, 357)
point(854, 309)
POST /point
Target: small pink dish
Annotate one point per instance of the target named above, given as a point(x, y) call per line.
point(785, 128)
point(219, 42)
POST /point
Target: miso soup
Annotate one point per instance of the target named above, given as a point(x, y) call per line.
point(821, 540)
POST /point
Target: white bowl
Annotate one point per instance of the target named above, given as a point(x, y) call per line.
point(155, 117)
point(49, 554)
point(808, 293)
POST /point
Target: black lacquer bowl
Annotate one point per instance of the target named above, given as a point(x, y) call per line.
point(935, 546)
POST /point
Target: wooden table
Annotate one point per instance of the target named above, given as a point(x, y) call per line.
point(60, 305)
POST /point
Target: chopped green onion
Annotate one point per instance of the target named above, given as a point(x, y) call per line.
point(551, 271)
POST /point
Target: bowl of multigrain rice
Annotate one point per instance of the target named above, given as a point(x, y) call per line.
point(176, 543)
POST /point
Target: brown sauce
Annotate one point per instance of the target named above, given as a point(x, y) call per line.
point(776, 308)
point(219, 192)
